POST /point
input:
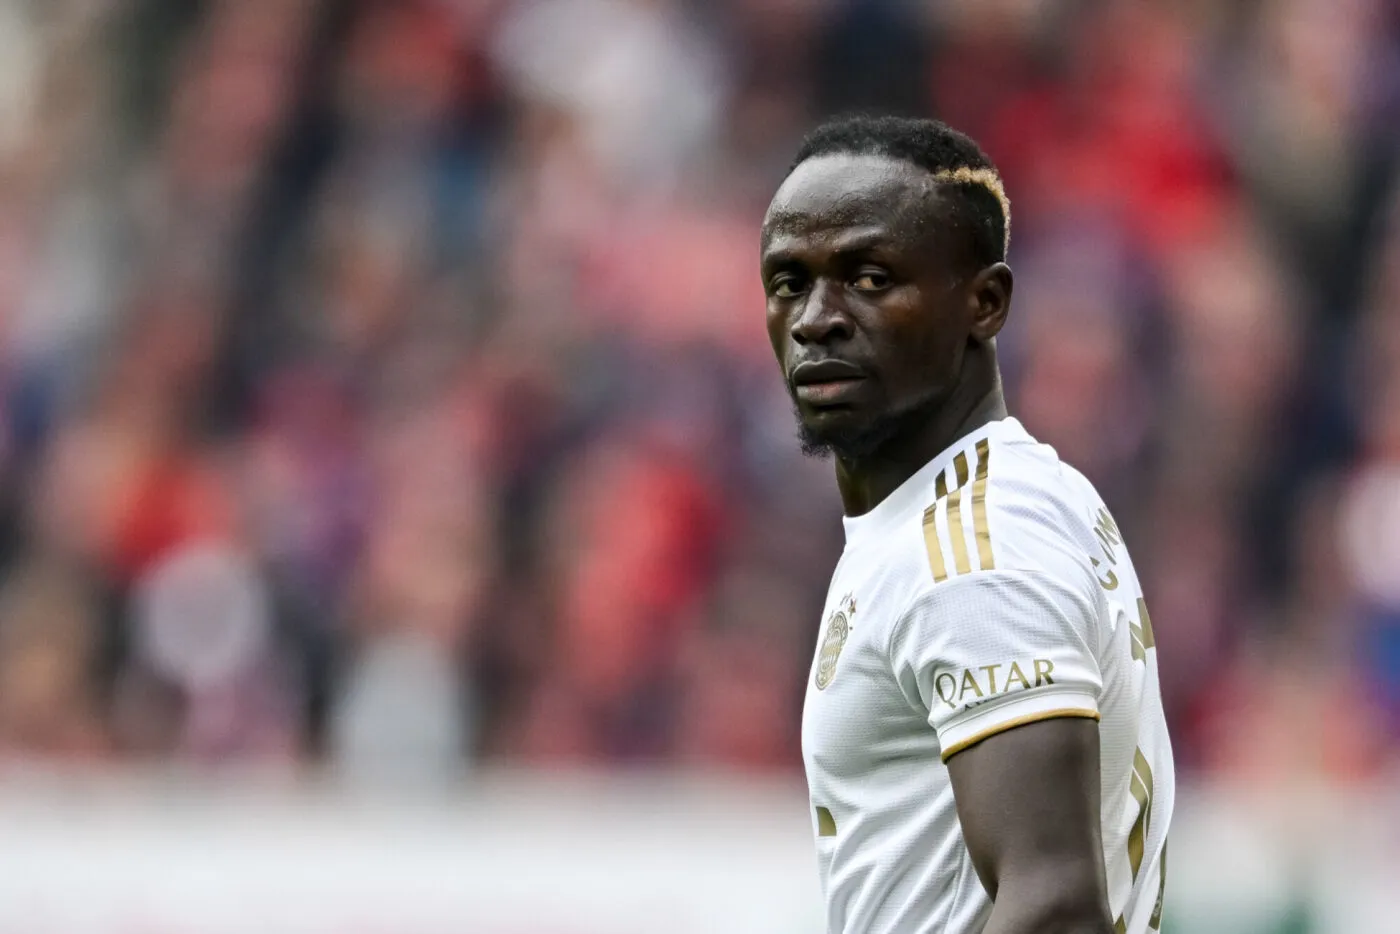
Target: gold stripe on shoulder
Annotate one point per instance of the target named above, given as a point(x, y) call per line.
point(940, 489)
point(956, 534)
point(960, 464)
point(980, 528)
point(935, 548)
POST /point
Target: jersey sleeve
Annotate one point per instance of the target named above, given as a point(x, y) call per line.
point(993, 650)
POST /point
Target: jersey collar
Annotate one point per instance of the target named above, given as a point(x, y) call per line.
point(913, 494)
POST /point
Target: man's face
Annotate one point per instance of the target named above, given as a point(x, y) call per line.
point(868, 312)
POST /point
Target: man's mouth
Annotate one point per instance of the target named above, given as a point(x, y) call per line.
point(826, 382)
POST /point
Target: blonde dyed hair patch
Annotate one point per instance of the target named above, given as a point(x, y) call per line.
point(991, 181)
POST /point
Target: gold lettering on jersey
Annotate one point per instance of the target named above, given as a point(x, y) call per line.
point(1140, 634)
point(991, 671)
point(1141, 786)
point(1149, 641)
point(1016, 674)
point(948, 696)
point(838, 629)
point(980, 682)
point(1109, 583)
point(1107, 531)
point(826, 824)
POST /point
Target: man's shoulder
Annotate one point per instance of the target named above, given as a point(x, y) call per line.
point(1006, 504)
point(999, 504)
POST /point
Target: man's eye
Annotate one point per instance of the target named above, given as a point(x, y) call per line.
point(872, 281)
point(787, 287)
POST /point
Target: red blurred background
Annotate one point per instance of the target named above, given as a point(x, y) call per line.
point(382, 385)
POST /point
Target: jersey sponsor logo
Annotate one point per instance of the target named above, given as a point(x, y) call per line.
point(838, 629)
point(965, 687)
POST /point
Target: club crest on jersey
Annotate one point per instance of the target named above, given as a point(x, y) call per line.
point(838, 629)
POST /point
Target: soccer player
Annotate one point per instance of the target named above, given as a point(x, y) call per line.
point(983, 732)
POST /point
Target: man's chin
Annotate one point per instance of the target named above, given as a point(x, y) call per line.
point(844, 436)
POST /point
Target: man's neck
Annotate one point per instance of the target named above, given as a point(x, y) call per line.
point(865, 484)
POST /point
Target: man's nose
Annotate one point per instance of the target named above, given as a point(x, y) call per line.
point(824, 317)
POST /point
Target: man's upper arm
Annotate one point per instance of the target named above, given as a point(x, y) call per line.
point(1028, 802)
point(1006, 665)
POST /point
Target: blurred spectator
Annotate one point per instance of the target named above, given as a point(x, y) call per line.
point(645, 91)
point(49, 635)
point(202, 627)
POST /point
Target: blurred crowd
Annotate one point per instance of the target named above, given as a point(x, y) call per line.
point(383, 384)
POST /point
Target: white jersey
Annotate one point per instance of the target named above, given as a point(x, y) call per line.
point(991, 590)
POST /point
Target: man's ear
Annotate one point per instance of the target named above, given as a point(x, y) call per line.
point(991, 298)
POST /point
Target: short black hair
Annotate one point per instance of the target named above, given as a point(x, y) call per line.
point(953, 157)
